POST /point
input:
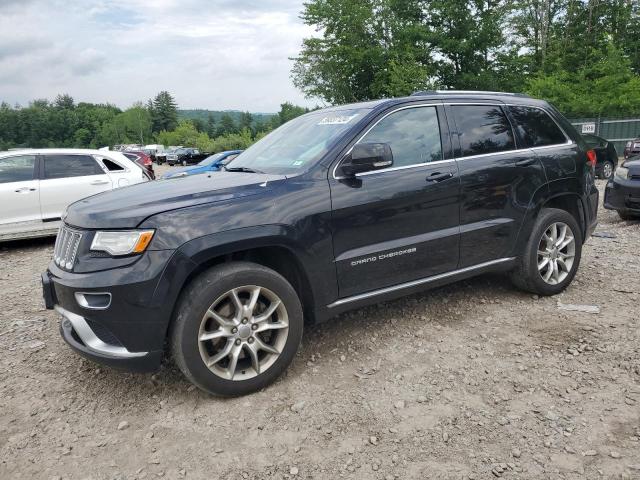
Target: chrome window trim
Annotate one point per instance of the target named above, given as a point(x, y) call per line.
point(436, 103)
point(432, 103)
point(415, 283)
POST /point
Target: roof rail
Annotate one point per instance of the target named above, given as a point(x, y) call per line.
point(465, 92)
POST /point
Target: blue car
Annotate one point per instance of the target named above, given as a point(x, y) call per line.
point(210, 164)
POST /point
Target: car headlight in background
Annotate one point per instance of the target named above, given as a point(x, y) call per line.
point(123, 242)
point(622, 172)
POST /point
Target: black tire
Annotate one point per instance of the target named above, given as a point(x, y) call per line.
point(526, 275)
point(194, 302)
point(627, 216)
point(604, 168)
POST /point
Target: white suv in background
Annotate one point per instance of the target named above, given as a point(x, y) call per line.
point(36, 185)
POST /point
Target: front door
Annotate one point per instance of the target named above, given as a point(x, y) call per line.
point(19, 195)
point(398, 224)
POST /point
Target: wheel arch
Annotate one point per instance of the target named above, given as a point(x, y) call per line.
point(271, 246)
point(568, 201)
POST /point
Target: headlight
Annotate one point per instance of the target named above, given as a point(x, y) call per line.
point(123, 242)
point(622, 172)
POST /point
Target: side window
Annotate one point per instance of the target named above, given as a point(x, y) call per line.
point(483, 129)
point(536, 128)
point(64, 166)
point(111, 165)
point(17, 169)
point(413, 134)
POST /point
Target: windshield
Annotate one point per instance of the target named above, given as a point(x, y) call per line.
point(210, 160)
point(296, 145)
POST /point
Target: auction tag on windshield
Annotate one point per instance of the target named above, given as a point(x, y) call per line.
point(337, 120)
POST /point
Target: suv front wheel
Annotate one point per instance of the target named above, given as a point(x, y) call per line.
point(552, 254)
point(236, 329)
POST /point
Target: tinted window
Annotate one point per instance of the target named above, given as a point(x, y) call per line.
point(113, 166)
point(63, 166)
point(483, 129)
point(413, 134)
point(536, 128)
point(17, 169)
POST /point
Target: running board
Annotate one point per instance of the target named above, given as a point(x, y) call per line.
point(415, 283)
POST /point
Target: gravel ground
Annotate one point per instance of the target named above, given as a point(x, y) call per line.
point(473, 380)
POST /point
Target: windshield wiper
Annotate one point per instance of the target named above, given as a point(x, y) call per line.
point(242, 169)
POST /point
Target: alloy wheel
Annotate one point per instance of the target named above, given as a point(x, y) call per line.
point(243, 332)
point(556, 253)
point(607, 169)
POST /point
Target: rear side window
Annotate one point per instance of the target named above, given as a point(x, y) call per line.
point(113, 166)
point(64, 166)
point(17, 169)
point(413, 134)
point(536, 127)
point(482, 129)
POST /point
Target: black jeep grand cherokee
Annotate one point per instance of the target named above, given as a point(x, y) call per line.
point(334, 210)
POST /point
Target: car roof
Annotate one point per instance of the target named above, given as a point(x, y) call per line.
point(77, 151)
point(445, 95)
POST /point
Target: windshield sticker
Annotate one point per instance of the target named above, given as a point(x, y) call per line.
point(338, 120)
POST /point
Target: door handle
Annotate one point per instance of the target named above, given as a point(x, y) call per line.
point(25, 190)
point(525, 163)
point(439, 176)
point(99, 182)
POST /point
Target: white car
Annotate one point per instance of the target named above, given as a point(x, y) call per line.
point(37, 185)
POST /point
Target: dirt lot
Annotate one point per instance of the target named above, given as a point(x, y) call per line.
point(474, 380)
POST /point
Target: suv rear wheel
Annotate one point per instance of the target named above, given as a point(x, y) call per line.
point(237, 328)
point(552, 254)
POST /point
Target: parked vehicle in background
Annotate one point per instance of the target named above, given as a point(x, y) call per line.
point(334, 210)
point(153, 150)
point(161, 156)
point(37, 185)
point(185, 156)
point(623, 190)
point(606, 155)
point(212, 163)
point(141, 158)
point(632, 148)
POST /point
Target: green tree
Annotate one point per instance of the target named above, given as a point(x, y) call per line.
point(164, 112)
point(606, 86)
point(226, 125)
point(368, 49)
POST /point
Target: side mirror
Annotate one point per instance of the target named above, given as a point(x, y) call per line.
point(366, 157)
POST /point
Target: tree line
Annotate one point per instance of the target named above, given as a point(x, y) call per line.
point(65, 123)
point(582, 55)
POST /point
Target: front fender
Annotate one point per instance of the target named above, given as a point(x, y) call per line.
point(310, 254)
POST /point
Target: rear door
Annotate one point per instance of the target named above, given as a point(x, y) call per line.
point(498, 180)
point(19, 195)
point(66, 178)
point(399, 224)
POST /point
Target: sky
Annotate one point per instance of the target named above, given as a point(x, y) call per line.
point(212, 54)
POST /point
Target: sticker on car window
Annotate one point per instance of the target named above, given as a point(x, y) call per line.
point(337, 120)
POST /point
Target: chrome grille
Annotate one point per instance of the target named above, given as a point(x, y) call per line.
point(66, 249)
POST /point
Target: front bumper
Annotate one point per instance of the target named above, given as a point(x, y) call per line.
point(622, 195)
point(129, 331)
point(78, 334)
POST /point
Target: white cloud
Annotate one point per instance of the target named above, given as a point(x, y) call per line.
point(221, 54)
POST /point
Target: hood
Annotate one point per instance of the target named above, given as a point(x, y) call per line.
point(127, 207)
point(189, 170)
point(633, 164)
